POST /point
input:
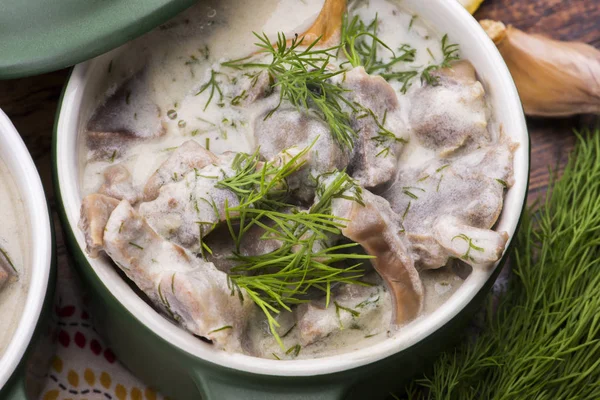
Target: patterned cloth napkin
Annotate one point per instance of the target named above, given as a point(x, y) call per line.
point(83, 366)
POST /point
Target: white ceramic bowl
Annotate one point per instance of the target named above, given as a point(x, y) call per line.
point(37, 221)
point(448, 16)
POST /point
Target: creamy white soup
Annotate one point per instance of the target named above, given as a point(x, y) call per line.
point(14, 273)
point(287, 185)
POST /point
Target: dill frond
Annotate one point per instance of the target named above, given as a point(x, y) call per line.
point(300, 71)
point(215, 88)
point(305, 261)
point(360, 43)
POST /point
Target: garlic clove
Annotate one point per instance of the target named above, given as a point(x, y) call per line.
point(554, 78)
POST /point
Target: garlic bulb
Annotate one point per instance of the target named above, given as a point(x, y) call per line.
point(554, 78)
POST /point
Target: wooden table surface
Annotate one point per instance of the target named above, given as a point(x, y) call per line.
point(31, 102)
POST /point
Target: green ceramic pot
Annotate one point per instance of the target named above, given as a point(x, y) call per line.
point(23, 364)
point(184, 367)
point(38, 39)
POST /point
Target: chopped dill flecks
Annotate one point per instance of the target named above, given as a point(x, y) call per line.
point(165, 302)
point(207, 144)
point(110, 66)
point(294, 350)
point(437, 189)
point(204, 52)
point(502, 182)
point(238, 99)
point(450, 53)
point(8, 260)
point(205, 121)
point(193, 60)
point(338, 307)
point(136, 245)
point(406, 210)
point(113, 156)
point(384, 138)
point(430, 53)
point(443, 167)
point(288, 331)
point(367, 302)
point(221, 329)
point(276, 356)
point(470, 246)
point(215, 87)
point(409, 191)
point(194, 132)
point(404, 77)
point(412, 21)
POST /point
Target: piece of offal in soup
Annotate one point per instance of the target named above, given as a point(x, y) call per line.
point(449, 207)
point(377, 228)
point(452, 113)
point(129, 114)
point(291, 127)
point(377, 123)
point(191, 206)
point(95, 211)
point(118, 184)
point(187, 157)
point(189, 290)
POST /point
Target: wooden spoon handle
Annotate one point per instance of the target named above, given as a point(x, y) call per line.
point(328, 24)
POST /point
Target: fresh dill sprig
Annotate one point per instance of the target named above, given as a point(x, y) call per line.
point(404, 77)
point(339, 308)
point(360, 43)
point(305, 261)
point(542, 340)
point(215, 88)
point(450, 52)
point(304, 80)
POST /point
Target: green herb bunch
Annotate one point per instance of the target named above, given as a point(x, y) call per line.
point(301, 72)
point(306, 260)
point(543, 340)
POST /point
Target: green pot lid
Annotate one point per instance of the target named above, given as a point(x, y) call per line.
point(38, 37)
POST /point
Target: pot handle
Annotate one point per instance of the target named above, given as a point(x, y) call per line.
point(274, 388)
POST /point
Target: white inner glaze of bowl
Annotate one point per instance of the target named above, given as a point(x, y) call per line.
point(18, 161)
point(445, 16)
